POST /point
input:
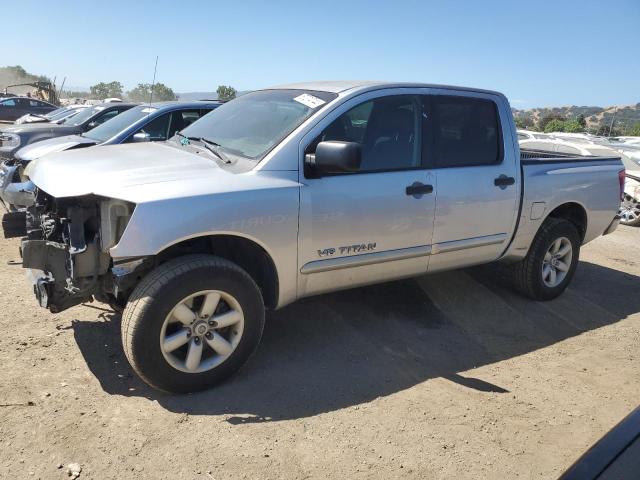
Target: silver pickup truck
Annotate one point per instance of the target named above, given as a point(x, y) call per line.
point(299, 190)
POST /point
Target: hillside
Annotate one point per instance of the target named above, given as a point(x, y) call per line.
point(625, 116)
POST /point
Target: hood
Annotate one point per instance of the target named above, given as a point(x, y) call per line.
point(58, 144)
point(137, 173)
point(35, 127)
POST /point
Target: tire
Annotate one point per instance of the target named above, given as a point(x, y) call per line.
point(150, 321)
point(528, 275)
point(630, 211)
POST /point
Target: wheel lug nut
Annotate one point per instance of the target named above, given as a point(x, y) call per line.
point(208, 335)
point(213, 323)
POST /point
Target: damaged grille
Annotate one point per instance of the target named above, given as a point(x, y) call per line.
point(63, 243)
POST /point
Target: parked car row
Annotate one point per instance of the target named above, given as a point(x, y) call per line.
point(138, 123)
point(627, 148)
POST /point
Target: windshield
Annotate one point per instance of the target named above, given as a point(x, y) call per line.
point(83, 116)
point(251, 125)
point(112, 127)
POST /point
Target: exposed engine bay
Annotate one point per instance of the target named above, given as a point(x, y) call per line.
point(66, 247)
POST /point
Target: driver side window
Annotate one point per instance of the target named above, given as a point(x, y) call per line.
point(157, 129)
point(104, 117)
point(387, 129)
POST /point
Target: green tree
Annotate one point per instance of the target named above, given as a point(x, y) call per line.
point(572, 126)
point(581, 121)
point(104, 90)
point(634, 131)
point(524, 123)
point(544, 121)
point(226, 93)
point(142, 93)
point(554, 125)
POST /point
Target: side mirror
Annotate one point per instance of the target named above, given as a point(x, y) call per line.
point(141, 137)
point(334, 157)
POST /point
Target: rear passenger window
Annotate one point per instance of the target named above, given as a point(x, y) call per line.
point(463, 131)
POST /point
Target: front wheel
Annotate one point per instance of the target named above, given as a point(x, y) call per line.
point(552, 259)
point(630, 211)
point(191, 323)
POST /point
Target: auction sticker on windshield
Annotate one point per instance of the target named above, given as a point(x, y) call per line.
point(309, 100)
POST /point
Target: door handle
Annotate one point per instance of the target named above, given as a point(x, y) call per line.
point(418, 189)
point(503, 181)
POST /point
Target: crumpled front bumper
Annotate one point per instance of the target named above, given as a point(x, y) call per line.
point(61, 279)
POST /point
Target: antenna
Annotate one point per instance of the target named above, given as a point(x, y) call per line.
point(153, 84)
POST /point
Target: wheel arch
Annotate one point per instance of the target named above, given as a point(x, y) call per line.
point(574, 213)
point(246, 252)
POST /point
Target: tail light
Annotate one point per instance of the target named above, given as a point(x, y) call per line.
point(621, 181)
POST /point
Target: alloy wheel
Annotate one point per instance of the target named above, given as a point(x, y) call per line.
point(202, 331)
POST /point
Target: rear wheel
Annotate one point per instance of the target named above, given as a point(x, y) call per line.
point(630, 211)
point(552, 259)
point(191, 323)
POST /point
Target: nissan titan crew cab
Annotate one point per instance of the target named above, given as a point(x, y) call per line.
point(295, 191)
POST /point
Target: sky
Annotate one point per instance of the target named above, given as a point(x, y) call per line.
point(539, 53)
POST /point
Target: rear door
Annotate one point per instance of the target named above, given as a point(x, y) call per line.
point(473, 157)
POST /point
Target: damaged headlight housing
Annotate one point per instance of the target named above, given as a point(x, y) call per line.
point(9, 141)
point(114, 217)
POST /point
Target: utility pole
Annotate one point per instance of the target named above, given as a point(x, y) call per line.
point(613, 118)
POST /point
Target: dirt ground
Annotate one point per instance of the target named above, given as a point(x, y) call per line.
point(447, 376)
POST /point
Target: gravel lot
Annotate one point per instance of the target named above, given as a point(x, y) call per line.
point(447, 376)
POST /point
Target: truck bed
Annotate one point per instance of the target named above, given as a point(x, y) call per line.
point(535, 157)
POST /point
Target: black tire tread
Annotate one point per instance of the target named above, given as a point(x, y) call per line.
point(524, 272)
point(149, 286)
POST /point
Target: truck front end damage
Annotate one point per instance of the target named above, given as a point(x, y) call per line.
point(66, 248)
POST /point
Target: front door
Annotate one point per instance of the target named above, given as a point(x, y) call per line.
point(374, 224)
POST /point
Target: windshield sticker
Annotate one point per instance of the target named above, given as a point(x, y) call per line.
point(309, 100)
point(148, 110)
